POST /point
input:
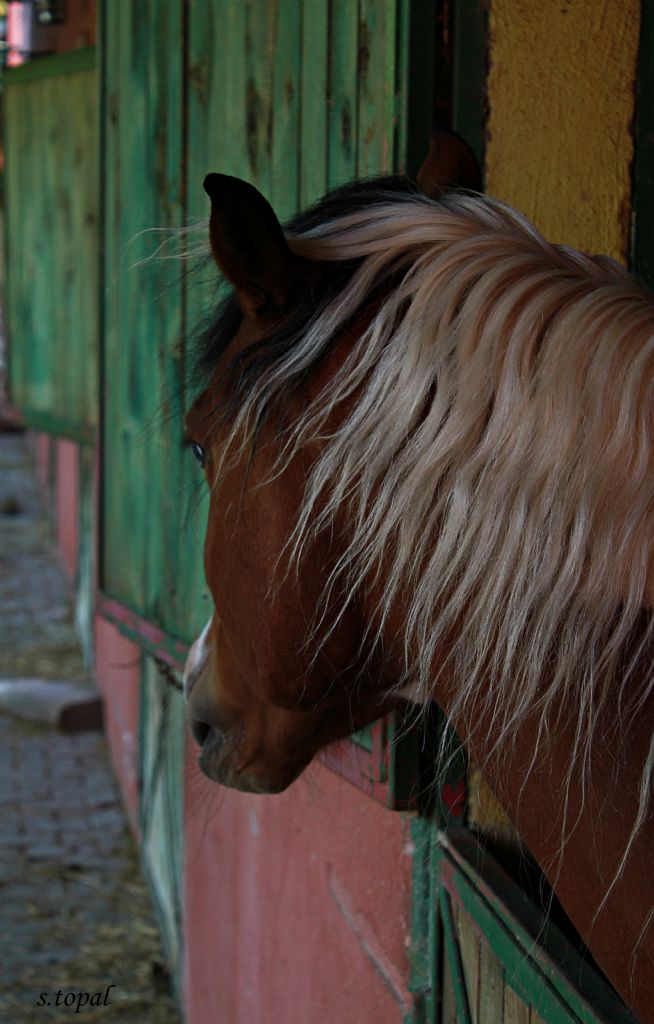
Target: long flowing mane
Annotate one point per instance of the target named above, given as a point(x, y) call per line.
point(497, 461)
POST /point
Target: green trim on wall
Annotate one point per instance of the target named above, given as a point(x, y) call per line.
point(55, 64)
point(536, 960)
point(58, 427)
point(420, 952)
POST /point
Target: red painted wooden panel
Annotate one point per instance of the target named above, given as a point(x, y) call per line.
point(117, 672)
point(297, 906)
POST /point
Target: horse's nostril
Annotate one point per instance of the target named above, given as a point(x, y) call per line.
point(200, 731)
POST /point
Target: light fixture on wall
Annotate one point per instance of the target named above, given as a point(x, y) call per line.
point(50, 12)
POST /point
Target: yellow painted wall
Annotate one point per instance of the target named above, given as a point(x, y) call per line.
point(561, 102)
point(559, 148)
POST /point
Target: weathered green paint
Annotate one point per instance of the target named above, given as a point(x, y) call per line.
point(261, 100)
point(314, 99)
point(422, 921)
point(151, 539)
point(51, 188)
point(295, 97)
point(503, 942)
point(69, 63)
point(342, 129)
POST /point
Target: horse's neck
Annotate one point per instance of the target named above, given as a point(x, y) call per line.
point(580, 830)
point(578, 823)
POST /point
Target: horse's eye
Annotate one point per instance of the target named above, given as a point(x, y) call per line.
point(199, 452)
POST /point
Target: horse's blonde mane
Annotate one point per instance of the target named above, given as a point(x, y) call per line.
point(497, 462)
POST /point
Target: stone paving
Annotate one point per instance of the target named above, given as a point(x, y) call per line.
point(78, 939)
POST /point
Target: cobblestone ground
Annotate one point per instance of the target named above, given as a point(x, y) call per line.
point(78, 939)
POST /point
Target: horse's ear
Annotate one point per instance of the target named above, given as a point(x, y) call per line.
point(450, 163)
point(248, 245)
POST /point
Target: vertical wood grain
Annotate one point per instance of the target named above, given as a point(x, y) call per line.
point(343, 127)
point(376, 87)
point(52, 242)
point(515, 1010)
point(470, 956)
point(314, 98)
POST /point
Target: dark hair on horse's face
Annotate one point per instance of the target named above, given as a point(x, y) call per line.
point(246, 367)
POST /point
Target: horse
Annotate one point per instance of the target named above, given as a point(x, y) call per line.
point(427, 434)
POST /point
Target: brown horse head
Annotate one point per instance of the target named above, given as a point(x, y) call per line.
point(428, 439)
point(262, 700)
point(263, 697)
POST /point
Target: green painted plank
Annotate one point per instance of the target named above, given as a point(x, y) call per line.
point(59, 427)
point(128, 354)
point(144, 319)
point(52, 246)
point(257, 87)
point(287, 143)
point(538, 962)
point(165, 401)
point(422, 950)
point(69, 63)
point(236, 117)
point(343, 127)
point(313, 100)
point(376, 87)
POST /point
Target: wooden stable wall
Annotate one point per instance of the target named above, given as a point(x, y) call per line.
point(320, 904)
point(296, 98)
point(51, 182)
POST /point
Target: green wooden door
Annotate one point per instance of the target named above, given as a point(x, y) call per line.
point(484, 953)
point(51, 188)
point(150, 547)
point(295, 97)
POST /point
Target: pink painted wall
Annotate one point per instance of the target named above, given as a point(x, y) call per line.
point(67, 504)
point(118, 673)
point(117, 664)
point(297, 906)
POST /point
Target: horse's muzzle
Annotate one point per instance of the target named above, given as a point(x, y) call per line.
point(219, 761)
